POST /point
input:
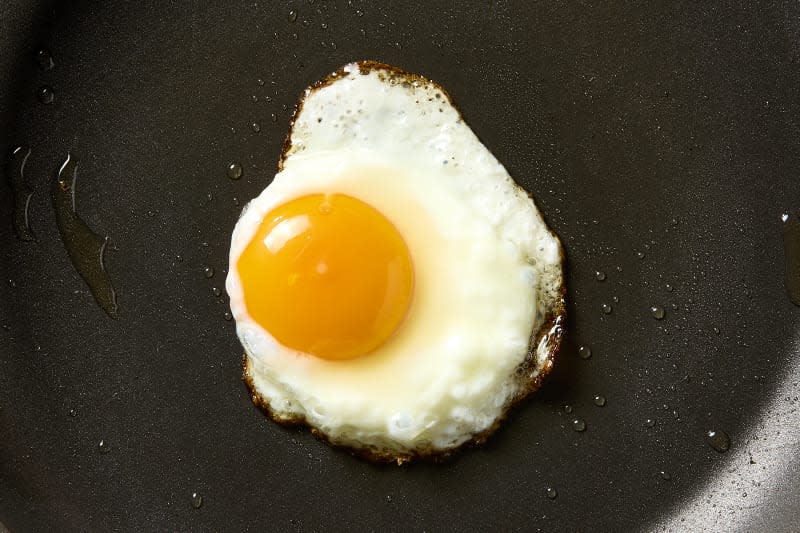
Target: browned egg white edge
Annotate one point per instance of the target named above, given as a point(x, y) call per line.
point(552, 329)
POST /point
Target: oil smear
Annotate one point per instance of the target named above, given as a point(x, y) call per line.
point(791, 250)
point(15, 172)
point(86, 248)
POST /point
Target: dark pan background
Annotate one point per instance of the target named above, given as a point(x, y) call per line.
point(671, 129)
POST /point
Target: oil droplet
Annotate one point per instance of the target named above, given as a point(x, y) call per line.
point(600, 275)
point(44, 59)
point(584, 352)
point(719, 440)
point(227, 316)
point(234, 171)
point(578, 425)
point(45, 94)
point(606, 309)
point(568, 408)
point(256, 127)
point(15, 172)
point(85, 248)
point(292, 16)
point(217, 292)
point(649, 422)
point(791, 250)
point(197, 500)
point(551, 493)
point(600, 401)
point(208, 272)
point(657, 312)
point(103, 447)
point(665, 475)
point(640, 255)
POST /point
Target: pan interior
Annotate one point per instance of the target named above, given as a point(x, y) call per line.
point(661, 143)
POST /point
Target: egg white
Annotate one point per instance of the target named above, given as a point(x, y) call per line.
point(488, 271)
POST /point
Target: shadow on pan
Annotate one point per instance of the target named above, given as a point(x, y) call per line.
point(661, 143)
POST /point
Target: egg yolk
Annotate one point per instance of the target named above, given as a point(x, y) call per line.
point(328, 275)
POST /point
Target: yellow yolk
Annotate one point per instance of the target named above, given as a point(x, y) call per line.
point(327, 275)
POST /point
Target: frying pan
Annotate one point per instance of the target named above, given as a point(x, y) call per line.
point(660, 140)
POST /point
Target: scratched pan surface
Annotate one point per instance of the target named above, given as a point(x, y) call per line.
point(662, 144)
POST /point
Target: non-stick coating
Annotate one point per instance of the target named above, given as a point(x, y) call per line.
point(670, 130)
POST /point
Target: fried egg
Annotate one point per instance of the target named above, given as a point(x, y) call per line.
point(393, 288)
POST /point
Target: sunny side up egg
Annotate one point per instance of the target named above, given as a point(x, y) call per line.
point(393, 288)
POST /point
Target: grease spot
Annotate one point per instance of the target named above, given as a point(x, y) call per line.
point(600, 401)
point(45, 94)
point(234, 171)
point(719, 440)
point(197, 500)
point(86, 248)
point(15, 172)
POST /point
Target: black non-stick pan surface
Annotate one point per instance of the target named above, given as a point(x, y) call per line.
point(661, 141)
